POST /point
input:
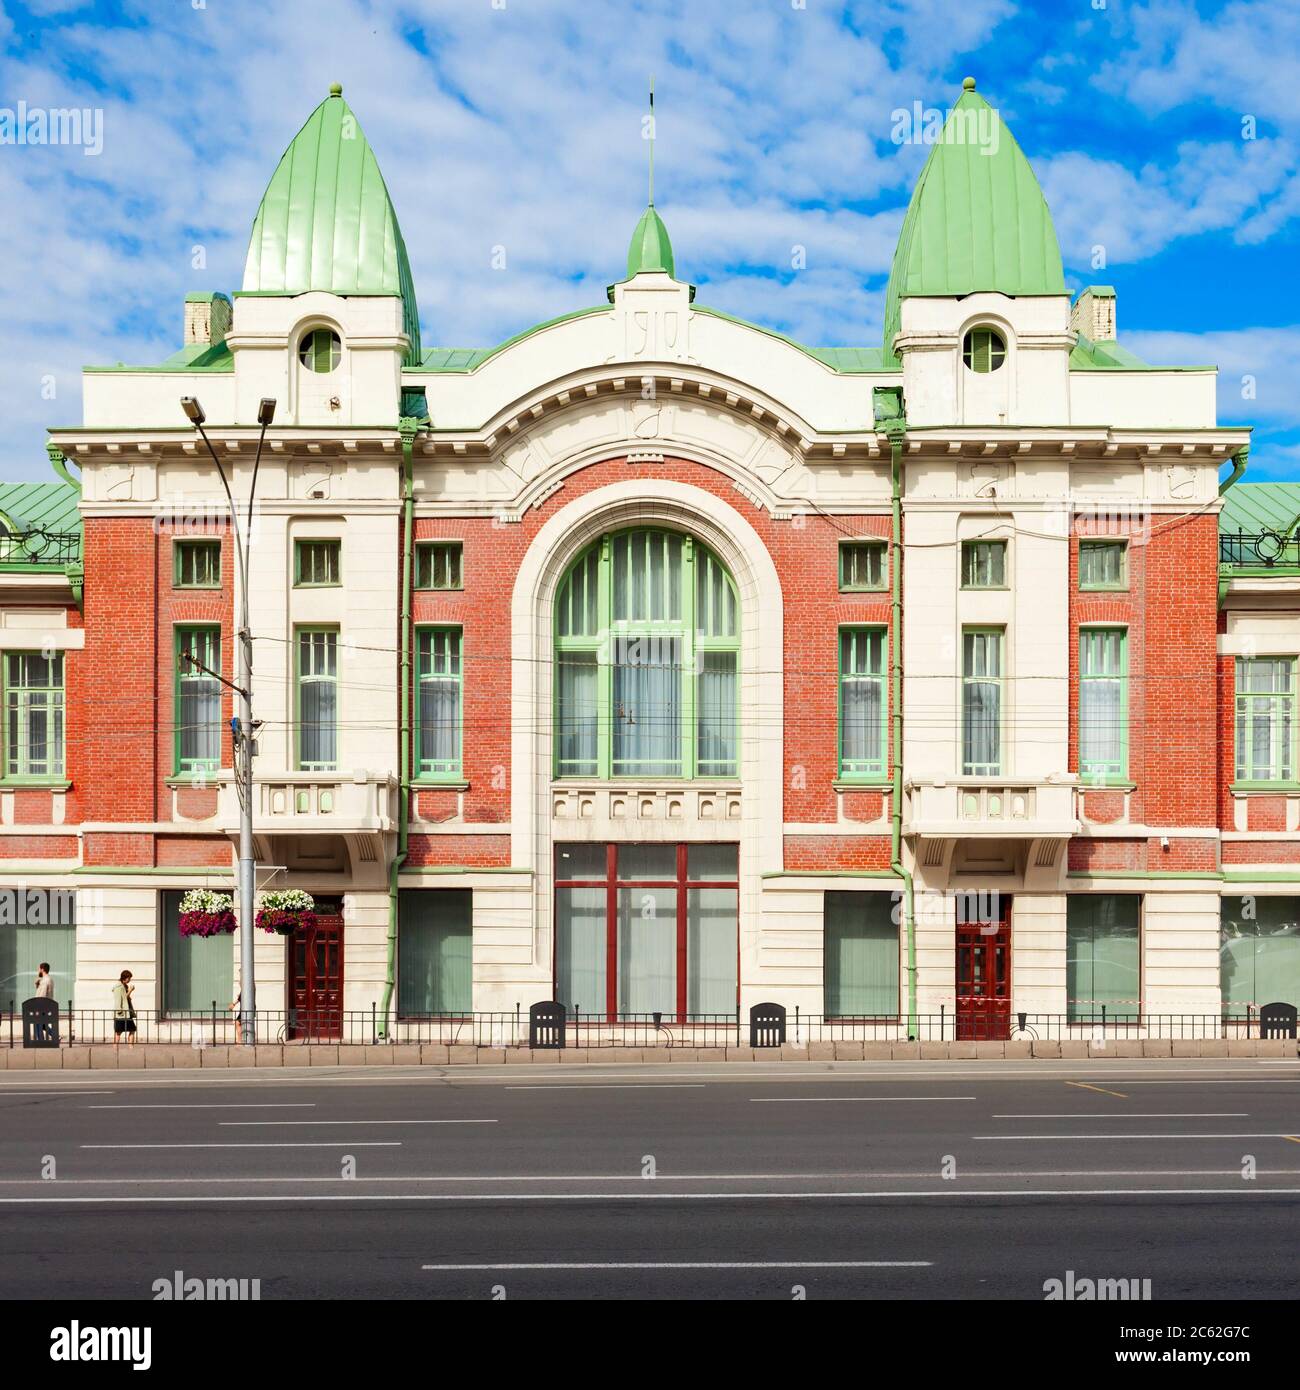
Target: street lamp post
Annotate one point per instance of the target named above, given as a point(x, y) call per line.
point(244, 728)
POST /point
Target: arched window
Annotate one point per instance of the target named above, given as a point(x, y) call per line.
point(320, 350)
point(647, 646)
point(984, 350)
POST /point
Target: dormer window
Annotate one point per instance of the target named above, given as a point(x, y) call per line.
point(984, 350)
point(320, 350)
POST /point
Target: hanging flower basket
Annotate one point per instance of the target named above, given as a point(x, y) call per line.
point(205, 913)
point(285, 910)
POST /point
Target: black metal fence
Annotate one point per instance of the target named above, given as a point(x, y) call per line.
point(40, 547)
point(1261, 550)
point(218, 1027)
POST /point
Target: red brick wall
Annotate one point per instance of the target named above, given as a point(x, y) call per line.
point(805, 554)
point(834, 852)
point(454, 851)
point(1182, 856)
point(208, 851)
point(1171, 612)
point(1261, 852)
point(34, 847)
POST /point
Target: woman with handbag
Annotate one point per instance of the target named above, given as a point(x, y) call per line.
point(123, 1010)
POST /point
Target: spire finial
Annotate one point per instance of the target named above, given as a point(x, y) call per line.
point(968, 84)
point(336, 89)
point(652, 141)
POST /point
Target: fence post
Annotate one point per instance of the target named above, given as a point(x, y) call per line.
point(374, 1022)
point(514, 1041)
point(11, 1023)
point(1103, 1023)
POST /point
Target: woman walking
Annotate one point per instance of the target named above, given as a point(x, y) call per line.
point(123, 1010)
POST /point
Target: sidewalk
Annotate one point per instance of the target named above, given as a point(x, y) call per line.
point(154, 1055)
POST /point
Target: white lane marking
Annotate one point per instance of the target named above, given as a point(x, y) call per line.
point(1139, 1115)
point(214, 1105)
point(820, 1100)
point(338, 1143)
point(703, 1264)
point(983, 1195)
point(1131, 1136)
point(262, 1124)
point(630, 1086)
point(989, 1176)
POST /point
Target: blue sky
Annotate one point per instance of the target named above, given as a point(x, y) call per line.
point(517, 123)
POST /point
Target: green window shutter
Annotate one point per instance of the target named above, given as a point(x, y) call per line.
point(860, 955)
point(435, 951)
point(34, 714)
point(1102, 956)
point(45, 932)
point(197, 970)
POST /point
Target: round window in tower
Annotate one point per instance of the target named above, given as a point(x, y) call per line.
point(984, 350)
point(320, 350)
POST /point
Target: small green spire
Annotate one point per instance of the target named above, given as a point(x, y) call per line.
point(650, 248)
point(336, 89)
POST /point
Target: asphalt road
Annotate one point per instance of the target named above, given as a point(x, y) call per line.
point(895, 1180)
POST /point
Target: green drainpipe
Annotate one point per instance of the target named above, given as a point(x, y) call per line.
point(891, 420)
point(1238, 468)
point(409, 426)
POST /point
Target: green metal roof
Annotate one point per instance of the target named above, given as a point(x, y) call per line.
point(326, 221)
point(1255, 507)
point(49, 507)
point(977, 219)
point(650, 248)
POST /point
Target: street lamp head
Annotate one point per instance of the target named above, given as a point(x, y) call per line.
point(193, 410)
point(265, 411)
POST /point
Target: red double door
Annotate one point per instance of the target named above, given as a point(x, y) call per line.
point(316, 980)
point(984, 967)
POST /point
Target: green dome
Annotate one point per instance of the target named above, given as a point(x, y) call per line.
point(977, 220)
point(326, 221)
point(650, 248)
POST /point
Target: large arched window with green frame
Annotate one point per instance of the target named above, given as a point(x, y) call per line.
point(647, 658)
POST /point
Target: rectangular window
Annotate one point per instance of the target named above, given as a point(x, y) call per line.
point(1102, 957)
point(862, 702)
point(43, 931)
point(197, 564)
point(198, 971)
point(318, 698)
point(435, 951)
point(34, 715)
point(716, 691)
point(198, 700)
point(661, 918)
point(1259, 953)
point(1103, 564)
point(1265, 719)
point(317, 564)
point(438, 565)
point(647, 711)
point(860, 955)
point(984, 565)
point(440, 685)
point(981, 702)
point(862, 565)
point(1103, 704)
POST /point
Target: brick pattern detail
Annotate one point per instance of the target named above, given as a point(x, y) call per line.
point(437, 806)
point(837, 852)
point(1261, 851)
point(1182, 856)
point(1103, 807)
point(459, 851)
point(207, 851)
point(110, 850)
point(1266, 813)
point(863, 806)
point(196, 803)
point(34, 847)
point(33, 807)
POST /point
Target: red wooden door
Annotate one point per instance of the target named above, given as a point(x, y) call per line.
point(984, 974)
point(316, 980)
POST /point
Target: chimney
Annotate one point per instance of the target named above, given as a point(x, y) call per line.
point(1093, 314)
point(207, 319)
